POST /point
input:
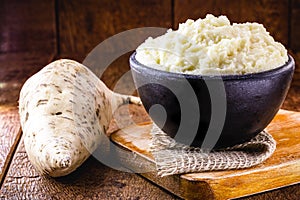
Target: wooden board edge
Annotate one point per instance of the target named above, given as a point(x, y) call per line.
point(258, 179)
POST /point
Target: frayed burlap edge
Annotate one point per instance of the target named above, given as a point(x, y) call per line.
point(175, 158)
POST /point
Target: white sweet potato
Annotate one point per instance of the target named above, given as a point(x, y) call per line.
point(64, 110)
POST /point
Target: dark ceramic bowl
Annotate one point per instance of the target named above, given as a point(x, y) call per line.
point(212, 111)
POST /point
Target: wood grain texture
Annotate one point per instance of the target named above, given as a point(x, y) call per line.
point(295, 25)
point(9, 136)
point(15, 69)
point(27, 43)
point(292, 101)
point(92, 180)
point(271, 13)
point(84, 24)
point(281, 169)
point(27, 26)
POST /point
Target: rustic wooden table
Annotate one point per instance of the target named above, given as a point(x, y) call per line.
point(32, 34)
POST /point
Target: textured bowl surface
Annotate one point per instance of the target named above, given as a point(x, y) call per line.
point(221, 110)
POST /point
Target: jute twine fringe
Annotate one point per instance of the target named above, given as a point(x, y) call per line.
point(175, 158)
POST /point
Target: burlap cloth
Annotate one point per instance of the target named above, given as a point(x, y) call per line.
point(175, 158)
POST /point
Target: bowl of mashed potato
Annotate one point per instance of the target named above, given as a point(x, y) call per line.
point(212, 82)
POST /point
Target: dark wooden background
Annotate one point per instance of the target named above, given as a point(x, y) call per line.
point(40, 31)
point(34, 33)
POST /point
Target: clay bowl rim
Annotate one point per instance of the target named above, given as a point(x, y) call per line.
point(134, 63)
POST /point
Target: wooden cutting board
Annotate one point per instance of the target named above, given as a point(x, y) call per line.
point(281, 169)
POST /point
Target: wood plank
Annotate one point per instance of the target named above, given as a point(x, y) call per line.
point(9, 136)
point(92, 180)
point(15, 69)
point(295, 28)
point(281, 169)
point(27, 26)
point(271, 13)
point(85, 24)
point(27, 43)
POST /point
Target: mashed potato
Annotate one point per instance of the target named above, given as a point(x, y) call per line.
point(212, 46)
